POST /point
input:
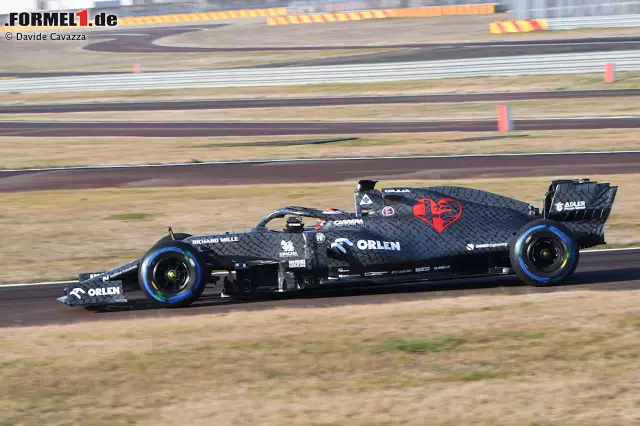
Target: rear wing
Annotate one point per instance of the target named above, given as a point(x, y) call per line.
point(578, 200)
point(584, 206)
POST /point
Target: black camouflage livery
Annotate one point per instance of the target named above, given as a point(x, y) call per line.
point(394, 235)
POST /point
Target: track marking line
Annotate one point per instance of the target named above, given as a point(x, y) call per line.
point(36, 284)
point(610, 250)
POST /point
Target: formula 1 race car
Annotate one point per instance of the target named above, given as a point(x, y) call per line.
point(395, 235)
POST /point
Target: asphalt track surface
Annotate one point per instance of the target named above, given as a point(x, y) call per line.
point(313, 102)
point(230, 128)
point(36, 305)
point(146, 40)
point(311, 172)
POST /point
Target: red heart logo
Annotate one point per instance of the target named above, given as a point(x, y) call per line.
point(439, 215)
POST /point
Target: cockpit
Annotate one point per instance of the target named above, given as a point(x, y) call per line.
point(292, 220)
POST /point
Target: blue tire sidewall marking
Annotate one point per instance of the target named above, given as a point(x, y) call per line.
point(571, 246)
point(562, 236)
point(145, 279)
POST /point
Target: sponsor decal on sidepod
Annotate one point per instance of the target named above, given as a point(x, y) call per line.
point(214, 240)
point(289, 249)
point(442, 267)
point(298, 263)
point(365, 200)
point(379, 245)
point(341, 244)
point(388, 211)
point(348, 222)
point(472, 246)
point(438, 214)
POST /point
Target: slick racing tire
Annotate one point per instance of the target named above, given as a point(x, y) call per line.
point(544, 253)
point(172, 274)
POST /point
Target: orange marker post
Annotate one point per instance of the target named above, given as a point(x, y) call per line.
point(505, 122)
point(609, 73)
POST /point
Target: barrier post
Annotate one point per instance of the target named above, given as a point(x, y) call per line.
point(609, 73)
point(505, 122)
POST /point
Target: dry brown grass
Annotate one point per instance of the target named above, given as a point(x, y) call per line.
point(371, 32)
point(560, 358)
point(615, 106)
point(54, 234)
point(59, 56)
point(625, 80)
point(25, 152)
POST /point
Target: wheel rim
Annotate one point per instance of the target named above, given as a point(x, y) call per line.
point(546, 254)
point(171, 275)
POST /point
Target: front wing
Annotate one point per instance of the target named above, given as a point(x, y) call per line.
point(102, 289)
point(94, 292)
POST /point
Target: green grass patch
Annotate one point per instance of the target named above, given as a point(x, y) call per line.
point(416, 346)
point(129, 216)
point(475, 376)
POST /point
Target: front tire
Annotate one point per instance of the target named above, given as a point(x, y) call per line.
point(544, 253)
point(172, 274)
point(179, 237)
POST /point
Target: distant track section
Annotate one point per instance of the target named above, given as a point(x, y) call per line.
point(329, 170)
point(312, 102)
point(213, 128)
point(148, 40)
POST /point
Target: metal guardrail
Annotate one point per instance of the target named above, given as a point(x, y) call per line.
point(548, 9)
point(573, 63)
point(619, 21)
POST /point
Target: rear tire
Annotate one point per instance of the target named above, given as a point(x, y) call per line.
point(172, 274)
point(544, 253)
